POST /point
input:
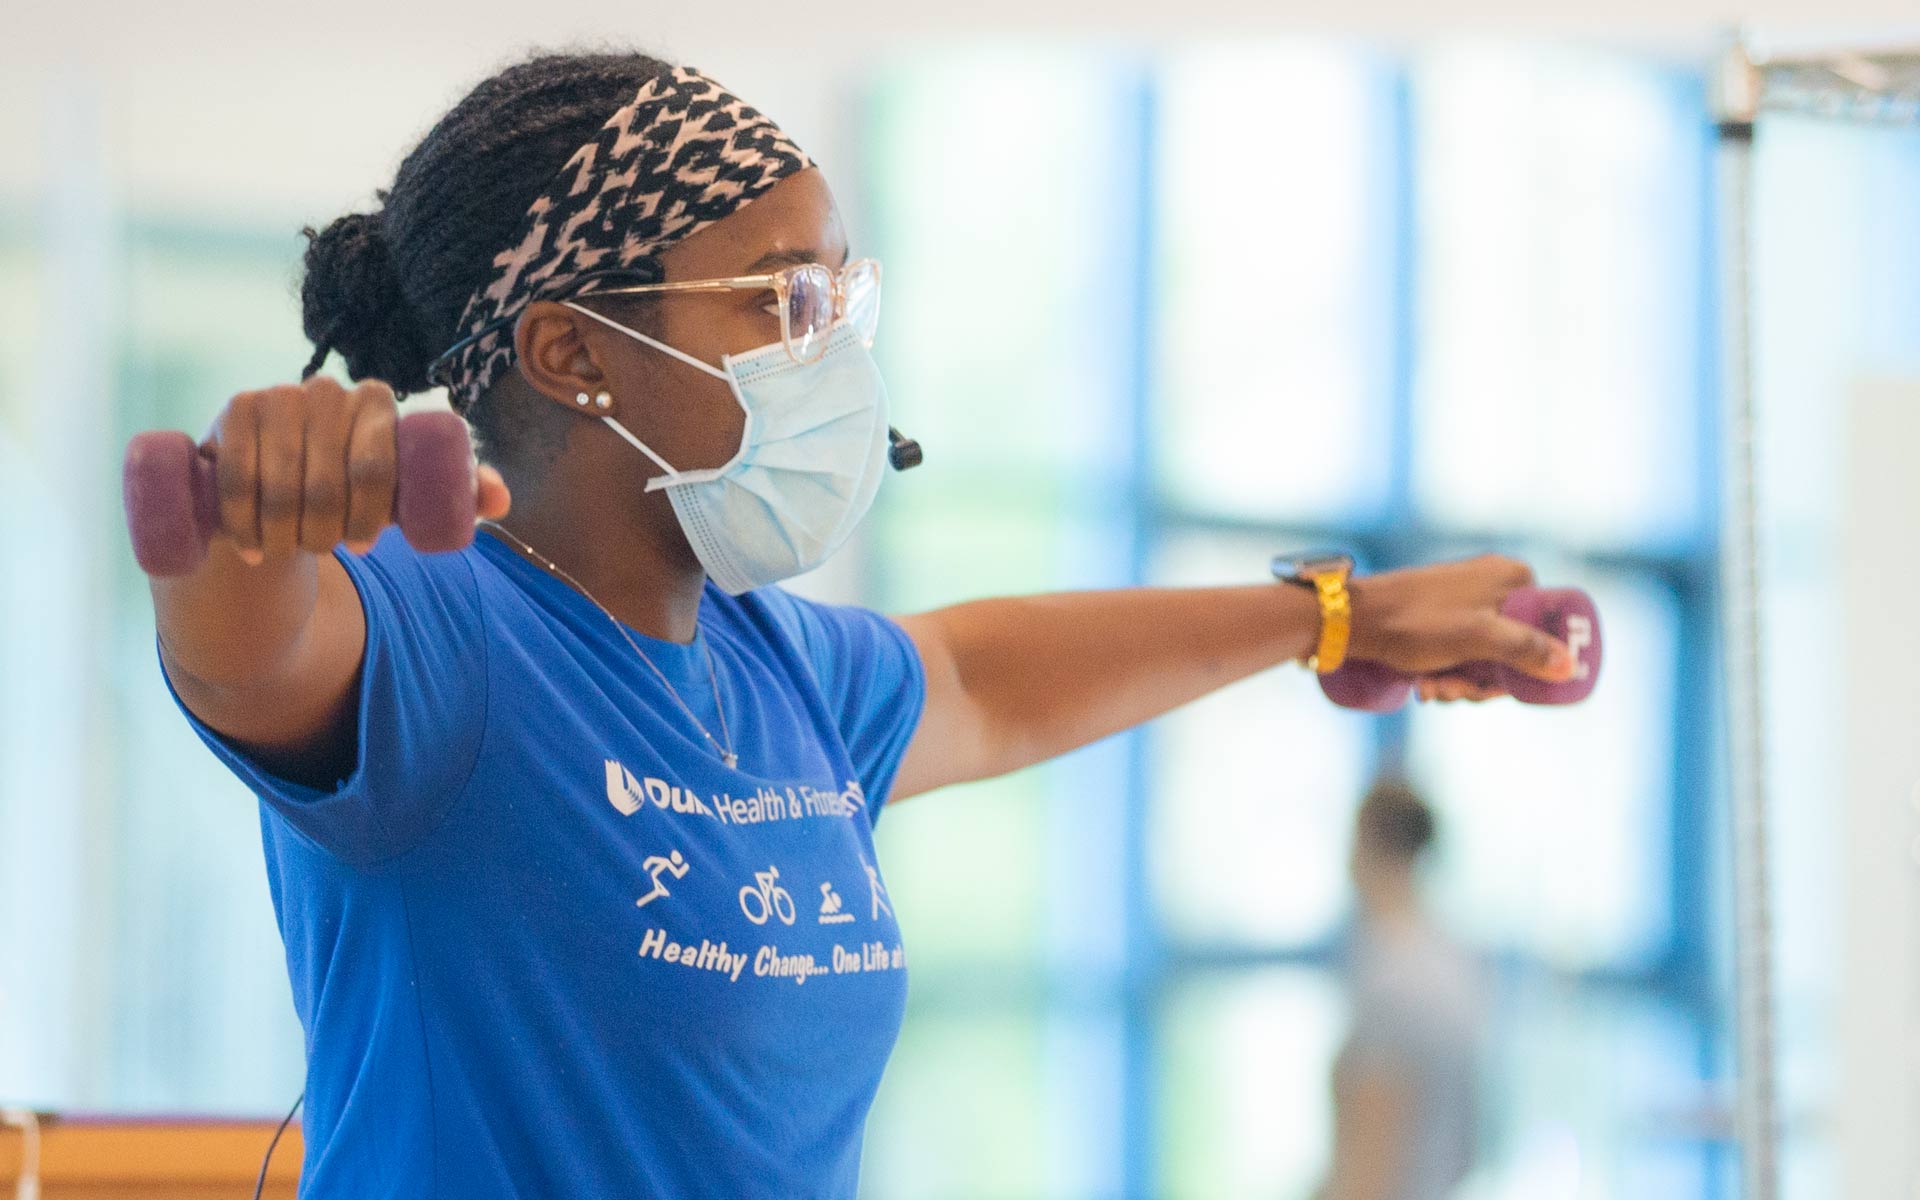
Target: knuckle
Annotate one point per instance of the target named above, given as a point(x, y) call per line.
point(328, 409)
point(324, 496)
point(321, 385)
point(372, 433)
point(370, 471)
point(280, 406)
point(279, 499)
point(368, 411)
point(233, 478)
point(374, 393)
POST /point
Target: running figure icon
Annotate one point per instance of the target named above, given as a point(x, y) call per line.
point(657, 866)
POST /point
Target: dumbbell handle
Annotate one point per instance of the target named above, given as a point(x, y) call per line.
point(1565, 613)
point(172, 496)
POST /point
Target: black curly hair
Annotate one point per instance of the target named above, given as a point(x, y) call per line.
point(385, 289)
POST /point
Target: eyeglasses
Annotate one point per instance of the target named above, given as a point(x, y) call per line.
point(811, 299)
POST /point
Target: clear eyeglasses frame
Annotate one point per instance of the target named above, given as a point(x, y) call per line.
point(811, 298)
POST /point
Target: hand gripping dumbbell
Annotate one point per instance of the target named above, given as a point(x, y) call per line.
point(173, 498)
point(1565, 613)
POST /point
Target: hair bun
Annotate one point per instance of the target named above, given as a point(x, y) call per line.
point(351, 301)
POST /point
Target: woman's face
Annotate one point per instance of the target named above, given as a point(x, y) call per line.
point(689, 417)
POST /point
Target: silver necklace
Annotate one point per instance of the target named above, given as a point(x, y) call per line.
point(726, 752)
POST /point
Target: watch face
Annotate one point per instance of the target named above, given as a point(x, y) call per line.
point(1303, 567)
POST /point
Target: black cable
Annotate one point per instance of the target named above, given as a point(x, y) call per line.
point(261, 1184)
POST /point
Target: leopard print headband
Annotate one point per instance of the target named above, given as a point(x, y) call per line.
point(682, 154)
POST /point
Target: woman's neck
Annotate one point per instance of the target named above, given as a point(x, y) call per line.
point(623, 548)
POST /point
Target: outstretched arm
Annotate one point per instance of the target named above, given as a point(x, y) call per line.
point(264, 642)
point(1018, 680)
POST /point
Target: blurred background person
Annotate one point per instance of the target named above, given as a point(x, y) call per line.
point(1406, 1082)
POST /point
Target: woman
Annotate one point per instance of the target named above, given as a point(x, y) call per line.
point(569, 833)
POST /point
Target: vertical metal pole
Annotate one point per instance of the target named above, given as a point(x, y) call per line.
point(1144, 977)
point(1737, 101)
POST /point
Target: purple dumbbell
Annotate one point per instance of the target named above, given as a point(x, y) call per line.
point(173, 500)
point(1566, 613)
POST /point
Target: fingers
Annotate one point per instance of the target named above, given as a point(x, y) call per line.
point(1508, 573)
point(1429, 620)
point(306, 466)
point(236, 471)
point(370, 468)
point(493, 498)
point(1414, 619)
point(1527, 649)
point(282, 469)
point(1448, 688)
point(322, 521)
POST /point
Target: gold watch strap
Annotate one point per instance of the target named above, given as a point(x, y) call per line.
point(1336, 622)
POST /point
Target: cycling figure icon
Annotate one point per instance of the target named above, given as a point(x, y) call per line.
point(767, 899)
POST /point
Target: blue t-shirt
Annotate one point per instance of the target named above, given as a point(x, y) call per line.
point(543, 942)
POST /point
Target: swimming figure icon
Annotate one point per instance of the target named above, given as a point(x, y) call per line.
point(830, 910)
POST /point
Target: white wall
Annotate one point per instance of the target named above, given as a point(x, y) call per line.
point(1878, 1106)
point(228, 106)
point(1837, 322)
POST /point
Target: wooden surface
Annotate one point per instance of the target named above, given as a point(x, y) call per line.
point(101, 1158)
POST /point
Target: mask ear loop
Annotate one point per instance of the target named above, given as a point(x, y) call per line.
point(661, 346)
point(674, 475)
point(642, 447)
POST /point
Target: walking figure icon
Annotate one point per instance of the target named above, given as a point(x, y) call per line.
point(657, 866)
point(879, 890)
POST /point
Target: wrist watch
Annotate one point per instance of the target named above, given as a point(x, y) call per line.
point(1325, 573)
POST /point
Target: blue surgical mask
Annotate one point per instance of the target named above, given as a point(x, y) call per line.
point(811, 455)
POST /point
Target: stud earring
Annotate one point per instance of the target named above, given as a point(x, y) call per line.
point(604, 400)
point(581, 399)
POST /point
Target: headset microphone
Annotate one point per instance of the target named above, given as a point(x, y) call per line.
point(904, 452)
